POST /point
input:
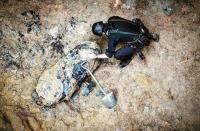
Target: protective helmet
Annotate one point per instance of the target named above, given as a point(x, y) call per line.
point(97, 28)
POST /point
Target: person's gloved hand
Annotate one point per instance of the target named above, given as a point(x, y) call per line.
point(92, 56)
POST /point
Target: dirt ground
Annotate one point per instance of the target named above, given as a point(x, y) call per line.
point(163, 94)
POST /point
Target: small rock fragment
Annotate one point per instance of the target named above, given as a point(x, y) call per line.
point(1, 34)
point(168, 10)
point(73, 22)
point(86, 88)
point(129, 4)
point(34, 95)
point(66, 86)
point(32, 21)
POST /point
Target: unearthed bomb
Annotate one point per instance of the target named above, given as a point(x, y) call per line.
point(60, 81)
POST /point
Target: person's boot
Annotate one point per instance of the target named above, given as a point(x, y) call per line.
point(154, 37)
point(122, 64)
point(141, 55)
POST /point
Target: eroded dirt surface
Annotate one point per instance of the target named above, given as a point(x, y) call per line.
point(160, 95)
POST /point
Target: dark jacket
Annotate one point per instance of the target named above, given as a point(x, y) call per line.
point(121, 30)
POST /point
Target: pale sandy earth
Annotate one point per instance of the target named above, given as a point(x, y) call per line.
point(163, 94)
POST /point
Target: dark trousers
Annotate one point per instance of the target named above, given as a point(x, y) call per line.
point(125, 53)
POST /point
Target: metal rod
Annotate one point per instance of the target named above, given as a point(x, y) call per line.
point(97, 82)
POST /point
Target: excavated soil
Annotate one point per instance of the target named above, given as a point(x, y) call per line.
point(163, 94)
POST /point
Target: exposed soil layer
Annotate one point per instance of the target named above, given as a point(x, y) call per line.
point(163, 94)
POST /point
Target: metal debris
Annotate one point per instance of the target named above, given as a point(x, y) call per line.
point(79, 73)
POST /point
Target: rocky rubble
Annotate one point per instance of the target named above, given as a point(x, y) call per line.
point(35, 37)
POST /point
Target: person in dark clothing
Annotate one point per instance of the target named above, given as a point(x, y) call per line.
point(133, 34)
